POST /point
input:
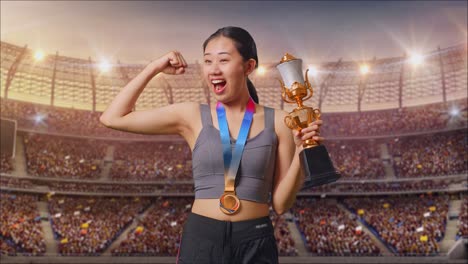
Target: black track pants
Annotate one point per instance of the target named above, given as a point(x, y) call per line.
point(206, 240)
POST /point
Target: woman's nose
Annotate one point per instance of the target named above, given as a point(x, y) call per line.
point(214, 69)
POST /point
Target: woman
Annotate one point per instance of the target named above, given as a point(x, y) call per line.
point(229, 222)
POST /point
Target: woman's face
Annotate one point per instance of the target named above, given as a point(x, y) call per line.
point(224, 69)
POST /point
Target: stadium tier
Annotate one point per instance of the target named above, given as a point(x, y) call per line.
point(403, 225)
point(384, 160)
point(382, 123)
point(390, 83)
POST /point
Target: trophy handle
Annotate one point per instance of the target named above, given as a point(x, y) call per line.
point(308, 86)
point(284, 92)
point(317, 113)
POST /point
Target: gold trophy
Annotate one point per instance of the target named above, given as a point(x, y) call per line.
point(315, 160)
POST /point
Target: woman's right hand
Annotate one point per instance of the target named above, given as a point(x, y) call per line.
point(171, 63)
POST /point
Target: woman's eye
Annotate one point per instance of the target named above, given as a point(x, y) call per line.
point(224, 60)
point(207, 61)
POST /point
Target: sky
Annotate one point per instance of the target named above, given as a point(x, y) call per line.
point(316, 31)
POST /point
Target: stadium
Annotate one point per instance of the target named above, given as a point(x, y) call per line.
point(75, 191)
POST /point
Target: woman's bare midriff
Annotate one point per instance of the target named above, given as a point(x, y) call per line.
point(248, 210)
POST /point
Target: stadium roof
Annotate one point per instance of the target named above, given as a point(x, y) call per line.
point(391, 82)
point(139, 31)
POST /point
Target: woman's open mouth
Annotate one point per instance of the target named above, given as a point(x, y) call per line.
point(219, 85)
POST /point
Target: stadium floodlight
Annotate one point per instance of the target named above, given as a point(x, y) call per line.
point(104, 66)
point(313, 71)
point(416, 59)
point(454, 112)
point(261, 70)
point(38, 118)
point(364, 69)
point(39, 55)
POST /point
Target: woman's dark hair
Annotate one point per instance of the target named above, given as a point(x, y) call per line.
point(245, 46)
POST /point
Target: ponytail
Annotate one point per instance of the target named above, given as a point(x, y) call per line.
point(252, 90)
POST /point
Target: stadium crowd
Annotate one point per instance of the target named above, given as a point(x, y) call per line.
point(6, 249)
point(16, 183)
point(120, 188)
point(430, 117)
point(6, 164)
point(409, 225)
point(71, 158)
point(99, 188)
point(20, 227)
point(329, 231)
point(425, 118)
point(88, 225)
point(284, 240)
point(158, 232)
point(463, 219)
point(430, 155)
point(391, 186)
point(359, 159)
point(187, 188)
point(149, 161)
point(58, 119)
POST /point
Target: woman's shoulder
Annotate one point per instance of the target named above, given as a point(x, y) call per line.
point(187, 110)
point(280, 126)
point(279, 114)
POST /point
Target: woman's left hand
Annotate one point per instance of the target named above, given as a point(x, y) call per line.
point(310, 132)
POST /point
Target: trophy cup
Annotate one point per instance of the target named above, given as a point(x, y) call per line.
point(315, 160)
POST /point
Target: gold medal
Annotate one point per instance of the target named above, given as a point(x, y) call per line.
point(229, 203)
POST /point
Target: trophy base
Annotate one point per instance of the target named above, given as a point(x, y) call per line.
point(317, 167)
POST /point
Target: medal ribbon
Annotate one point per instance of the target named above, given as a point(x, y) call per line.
point(232, 158)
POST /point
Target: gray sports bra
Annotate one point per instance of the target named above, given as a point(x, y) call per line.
point(256, 170)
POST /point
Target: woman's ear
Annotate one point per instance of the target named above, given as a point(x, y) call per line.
point(250, 66)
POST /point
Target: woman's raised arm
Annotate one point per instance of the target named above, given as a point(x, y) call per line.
point(164, 120)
